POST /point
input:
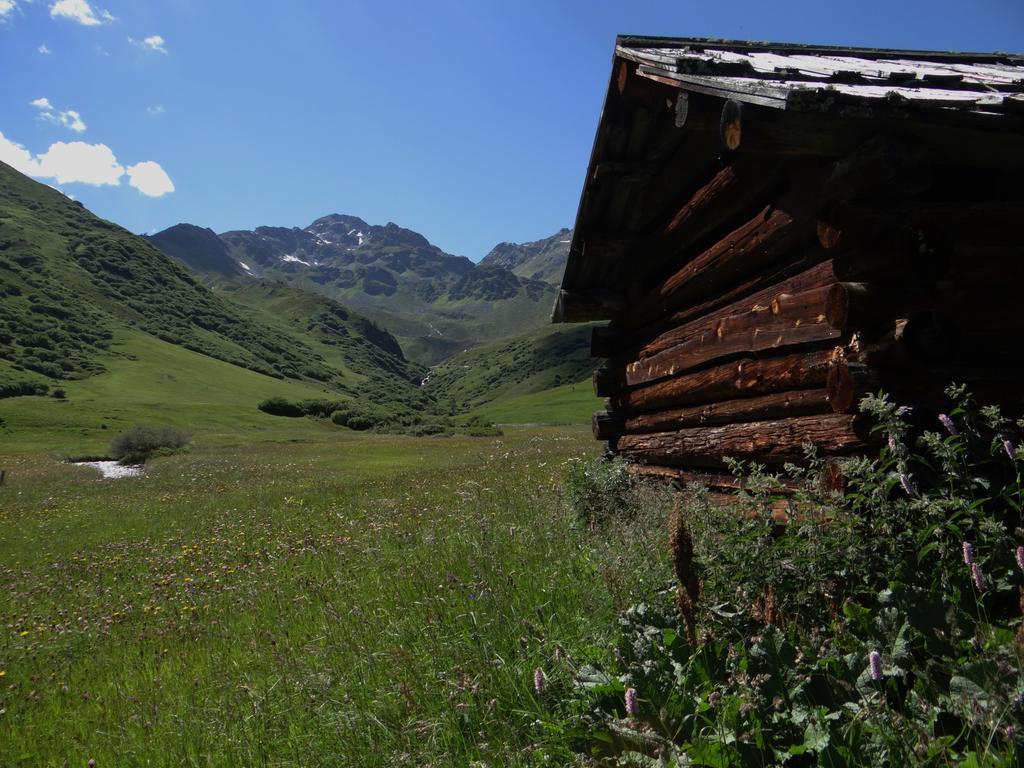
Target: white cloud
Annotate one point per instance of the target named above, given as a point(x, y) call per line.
point(68, 118)
point(7, 8)
point(42, 48)
point(72, 120)
point(152, 43)
point(77, 161)
point(18, 157)
point(156, 110)
point(156, 43)
point(80, 11)
point(150, 179)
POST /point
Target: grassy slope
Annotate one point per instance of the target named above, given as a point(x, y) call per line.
point(567, 404)
point(355, 600)
point(152, 381)
point(540, 360)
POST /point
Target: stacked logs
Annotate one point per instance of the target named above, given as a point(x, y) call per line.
point(781, 291)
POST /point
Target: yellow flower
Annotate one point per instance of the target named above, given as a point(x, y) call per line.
point(23, 633)
point(3, 673)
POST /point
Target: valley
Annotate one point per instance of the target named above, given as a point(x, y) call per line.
point(194, 330)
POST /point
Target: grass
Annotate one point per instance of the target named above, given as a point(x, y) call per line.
point(358, 600)
point(544, 358)
point(152, 381)
point(567, 404)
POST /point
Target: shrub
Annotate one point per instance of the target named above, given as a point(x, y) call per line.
point(280, 406)
point(597, 490)
point(881, 626)
point(143, 442)
point(58, 393)
point(22, 388)
point(320, 408)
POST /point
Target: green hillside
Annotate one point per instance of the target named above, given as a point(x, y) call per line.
point(83, 299)
point(544, 359)
point(155, 382)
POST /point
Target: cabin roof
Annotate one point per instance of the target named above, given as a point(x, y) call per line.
point(823, 78)
point(977, 90)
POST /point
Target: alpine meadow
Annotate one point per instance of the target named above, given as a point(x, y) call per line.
point(488, 386)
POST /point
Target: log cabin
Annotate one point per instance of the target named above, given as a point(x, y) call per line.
point(774, 230)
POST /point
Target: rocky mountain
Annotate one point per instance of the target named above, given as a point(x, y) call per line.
point(198, 249)
point(435, 303)
point(539, 260)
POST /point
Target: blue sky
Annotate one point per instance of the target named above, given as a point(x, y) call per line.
point(470, 122)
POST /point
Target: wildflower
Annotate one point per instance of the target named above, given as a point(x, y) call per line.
point(875, 665)
point(1010, 450)
point(968, 553)
point(631, 703)
point(1010, 732)
point(978, 576)
point(892, 443)
point(947, 423)
point(1020, 558)
point(908, 486)
point(538, 681)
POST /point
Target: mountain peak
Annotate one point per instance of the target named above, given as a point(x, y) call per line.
point(537, 260)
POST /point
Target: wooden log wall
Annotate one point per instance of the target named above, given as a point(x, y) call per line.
point(767, 291)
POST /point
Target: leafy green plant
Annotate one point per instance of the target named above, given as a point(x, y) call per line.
point(881, 626)
point(597, 490)
point(141, 443)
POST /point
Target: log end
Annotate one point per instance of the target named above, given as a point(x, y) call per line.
point(837, 306)
point(607, 426)
point(842, 387)
point(731, 126)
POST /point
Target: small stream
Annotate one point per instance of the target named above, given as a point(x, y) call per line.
point(111, 470)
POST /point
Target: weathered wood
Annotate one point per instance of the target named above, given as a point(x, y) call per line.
point(745, 250)
point(865, 307)
point(633, 90)
point(749, 128)
point(847, 383)
point(608, 381)
point(796, 277)
point(576, 307)
point(936, 225)
point(689, 162)
point(777, 405)
point(605, 342)
point(772, 442)
point(787, 320)
point(740, 378)
point(606, 425)
point(732, 190)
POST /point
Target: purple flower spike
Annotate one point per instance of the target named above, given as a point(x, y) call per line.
point(1010, 450)
point(1020, 558)
point(908, 486)
point(631, 703)
point(968, 553)
point(538, 681)
point(947, 423)
point(875, 665)
point(978, 577)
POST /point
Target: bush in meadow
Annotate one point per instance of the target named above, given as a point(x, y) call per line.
point(141, 443)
